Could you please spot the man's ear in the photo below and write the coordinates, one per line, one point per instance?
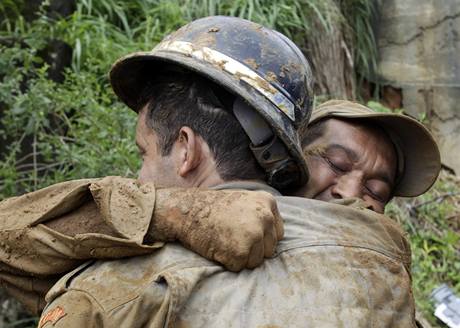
(190, 145)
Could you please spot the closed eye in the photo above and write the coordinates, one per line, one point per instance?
(334, 166)
(140, 149)
(375, 195)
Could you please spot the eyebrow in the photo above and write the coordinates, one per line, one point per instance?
(383, 175)
(350, 153)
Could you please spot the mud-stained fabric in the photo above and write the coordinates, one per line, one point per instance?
(338, 266)
(33, 256)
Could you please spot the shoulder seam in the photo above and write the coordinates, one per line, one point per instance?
(403, 258)
(87, 294)
(74, 275)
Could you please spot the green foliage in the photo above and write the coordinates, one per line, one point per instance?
(378, 107)
(433, 225)
(360, 15)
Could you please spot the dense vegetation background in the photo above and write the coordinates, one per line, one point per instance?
(60, 120)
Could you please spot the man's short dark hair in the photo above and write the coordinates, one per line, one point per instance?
(186, 99)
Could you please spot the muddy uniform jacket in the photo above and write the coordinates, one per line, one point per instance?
(33, 257)
(338, 266)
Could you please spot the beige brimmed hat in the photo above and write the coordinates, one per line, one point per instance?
(419, 160)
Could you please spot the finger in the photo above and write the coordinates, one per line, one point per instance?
(233, 263)
(270, 241)
(256, 255)
(278, 221)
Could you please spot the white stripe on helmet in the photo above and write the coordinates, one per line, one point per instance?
(230, 65)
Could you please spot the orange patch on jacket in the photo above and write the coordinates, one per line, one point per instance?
(52, 316)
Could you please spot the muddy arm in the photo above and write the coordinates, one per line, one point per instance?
(47, 233)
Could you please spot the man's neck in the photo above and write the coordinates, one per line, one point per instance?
(253, 185)
(206, 177)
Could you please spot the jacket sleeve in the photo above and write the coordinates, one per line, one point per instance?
(73, 309)
(106, 294)
(33, 253)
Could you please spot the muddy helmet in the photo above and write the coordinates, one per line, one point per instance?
(265, 71)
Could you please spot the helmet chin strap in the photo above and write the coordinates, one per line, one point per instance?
(271, 154)
(253, 124)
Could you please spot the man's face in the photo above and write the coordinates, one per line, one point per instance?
(155, 167)
(351, 160)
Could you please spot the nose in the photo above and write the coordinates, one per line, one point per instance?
(347, 186)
